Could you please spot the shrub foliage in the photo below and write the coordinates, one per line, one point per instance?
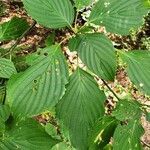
(73, 97)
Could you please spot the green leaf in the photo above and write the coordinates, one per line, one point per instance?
(13, 29)
(20, 62)
(41, 86)
(4, 115)
(86, 29)
(4, 112)
(118, 16)
(108, 147)
(27, 135)
(74, 43)
(99, 136)
(80, 107)
(97, 53)
(127, 110)
(50, 40)
(52, 130)
(127, 137)
(2, 93)
(147, 3)
(138, 68)
(7, 68)
(50, 13)
(79, 4)
(62, 146)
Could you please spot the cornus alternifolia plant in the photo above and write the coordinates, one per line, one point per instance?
(70, 96)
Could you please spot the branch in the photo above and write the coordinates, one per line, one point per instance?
(145, 144)
(110, 89)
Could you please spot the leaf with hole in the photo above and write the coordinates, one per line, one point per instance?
(118, 16)
(127, 110)
(41, 86)
(128, 136)
(138, 68)
(80, 107)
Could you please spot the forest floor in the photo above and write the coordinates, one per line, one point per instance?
(122, 85)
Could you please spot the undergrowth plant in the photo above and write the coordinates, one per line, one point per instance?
(73, 99)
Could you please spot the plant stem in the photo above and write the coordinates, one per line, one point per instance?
(4, 97)
(76, 21)
(19, 39)
(110, 89)
(15, 45)
(145, 144)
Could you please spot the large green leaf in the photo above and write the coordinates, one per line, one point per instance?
(102, 132)
(27, 135)
(138, 68)
(118, 16)
(41, 86)
(127, 110)
(97, 52)
(7, 68)
(80, 107)
(127, 137)
(82, 3)
(13, 29)
(51, 13)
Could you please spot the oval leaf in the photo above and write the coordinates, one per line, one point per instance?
(41, 86)
(118, 16)
(51, 13)
(128, 136)
(127, 110)
(80, 107)
(138, 68)
(97, 53)
(27, 135)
